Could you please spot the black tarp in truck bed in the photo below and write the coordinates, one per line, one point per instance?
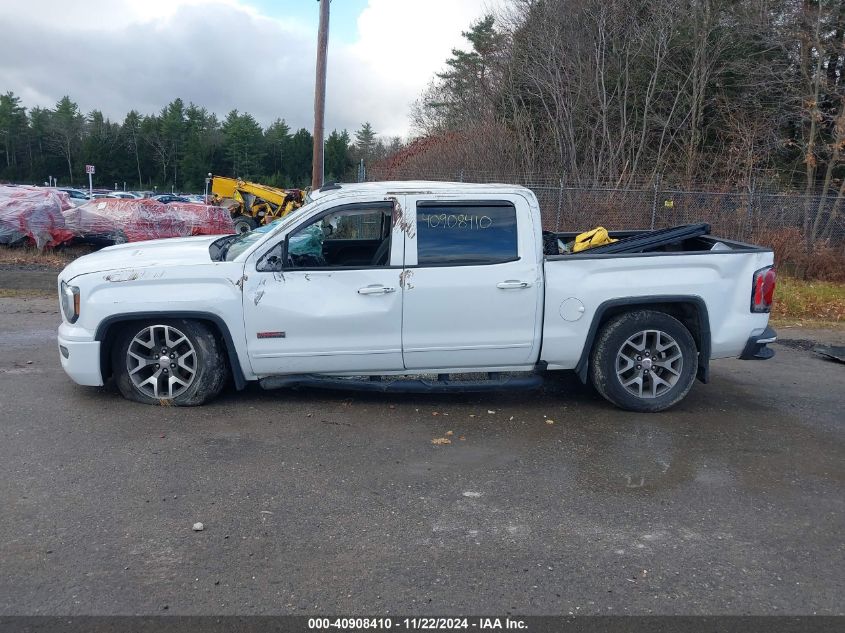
(631, 241)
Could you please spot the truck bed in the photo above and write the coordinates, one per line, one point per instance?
(580, 286)
(697, 244)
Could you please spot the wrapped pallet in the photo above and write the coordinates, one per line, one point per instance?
(204, 219)
(33, 215)
(119, 220)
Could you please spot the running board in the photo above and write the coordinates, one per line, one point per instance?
(386, 384)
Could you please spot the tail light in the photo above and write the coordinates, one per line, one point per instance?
(763, 289)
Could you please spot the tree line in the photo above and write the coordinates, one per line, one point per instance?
(729, 93)
(174, 148)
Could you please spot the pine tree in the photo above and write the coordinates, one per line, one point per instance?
(337, 159)
(201, 141)
(131, 131)
(365, 141)
(243, 143)
(65, 132)
(277, 142)
(297, 162)
(13, 127)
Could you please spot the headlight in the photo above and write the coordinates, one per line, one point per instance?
(69, 296)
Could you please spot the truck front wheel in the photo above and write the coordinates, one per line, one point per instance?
(644, 361)
(176, 362)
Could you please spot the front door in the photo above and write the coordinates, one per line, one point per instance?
(335, 303)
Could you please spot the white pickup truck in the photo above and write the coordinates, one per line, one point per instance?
(413, 286)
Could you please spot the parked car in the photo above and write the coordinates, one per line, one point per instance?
(125, 195)
(167, 198)
(369, 283)
(75, 196)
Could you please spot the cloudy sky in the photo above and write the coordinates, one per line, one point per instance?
(253, 55)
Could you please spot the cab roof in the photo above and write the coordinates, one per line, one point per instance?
(403, 187)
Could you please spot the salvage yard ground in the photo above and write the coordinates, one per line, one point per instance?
(316, 502)
(56, 258)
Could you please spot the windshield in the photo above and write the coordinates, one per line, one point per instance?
(229, 247)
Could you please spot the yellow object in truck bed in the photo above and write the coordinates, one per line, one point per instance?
(596, 237)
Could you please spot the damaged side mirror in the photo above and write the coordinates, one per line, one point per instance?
(273, 260)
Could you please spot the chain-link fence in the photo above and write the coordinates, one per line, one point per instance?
(741, 215)
(735, 215)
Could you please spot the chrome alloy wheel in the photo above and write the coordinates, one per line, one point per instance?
(161, 361)
(649, 364)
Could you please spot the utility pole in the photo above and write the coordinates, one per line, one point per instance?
(320, 96)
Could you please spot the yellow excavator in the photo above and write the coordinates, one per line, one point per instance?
(252, 204)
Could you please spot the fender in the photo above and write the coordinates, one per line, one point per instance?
(703, 338)
(234, 362)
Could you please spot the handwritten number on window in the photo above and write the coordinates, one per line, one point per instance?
(461, 222)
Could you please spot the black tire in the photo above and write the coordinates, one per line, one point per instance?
(606, 362)
(210, 364)
(244, 224)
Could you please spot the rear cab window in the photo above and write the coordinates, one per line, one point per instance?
(466, 233)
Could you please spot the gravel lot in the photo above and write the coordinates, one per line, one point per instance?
(326, 502)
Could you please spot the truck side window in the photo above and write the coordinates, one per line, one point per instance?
(466, 234)
(352, 236)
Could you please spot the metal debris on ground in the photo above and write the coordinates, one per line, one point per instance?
(832, 352)
(440, 441)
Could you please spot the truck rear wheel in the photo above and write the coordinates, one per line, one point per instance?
(176, 362)
(644, 361)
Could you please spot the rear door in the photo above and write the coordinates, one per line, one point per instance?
(472, 284)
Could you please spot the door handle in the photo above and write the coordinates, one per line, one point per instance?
(375, 289)
(512, 283)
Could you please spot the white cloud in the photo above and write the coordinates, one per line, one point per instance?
(401, 44)
(121, 54)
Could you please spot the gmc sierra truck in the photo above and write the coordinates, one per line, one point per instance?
(414, 286)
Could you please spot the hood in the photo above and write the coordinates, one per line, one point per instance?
(182, 251)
